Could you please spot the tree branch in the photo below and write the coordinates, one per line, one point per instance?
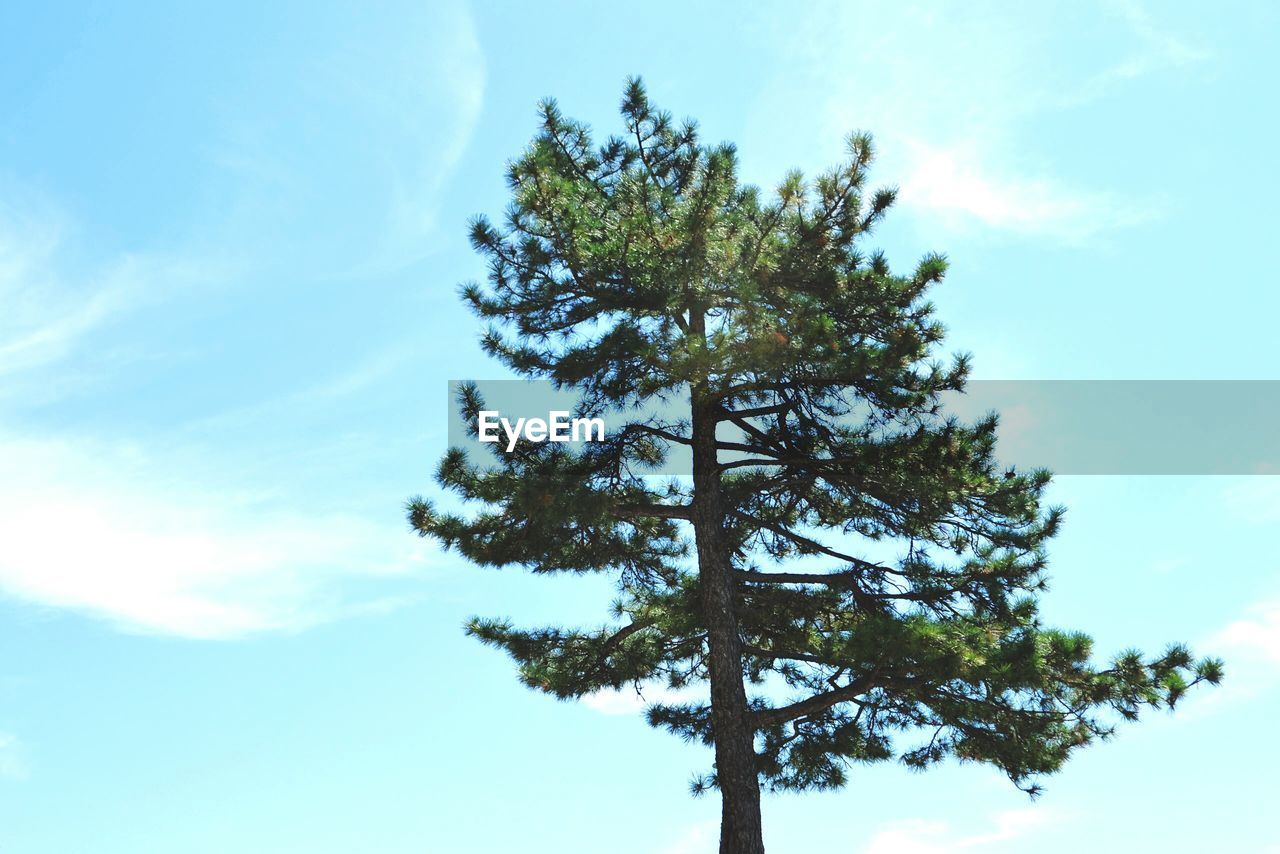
(758, 411)
(832, 579)
(790, 656)
(807, 545)
(815, 704)
(657, 431)
(661, 511)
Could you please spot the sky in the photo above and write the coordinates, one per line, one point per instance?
(230, 240)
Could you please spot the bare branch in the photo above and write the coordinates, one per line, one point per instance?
(815, 704)
(661, 511)
(807, 545)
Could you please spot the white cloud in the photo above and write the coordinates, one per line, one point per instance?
(13, 765)
(939, 837)
(185, 540)
(51, 307)
(1250, 644)
(141, 541)
(366, 373)
(167, 538)
(158, 540)
(41, 317)
(960, 184)
(1011, 830)
(952, 94)
(306, 192)
(702, 838)
(1254, 637)
(1157, 50)
(1250, 647)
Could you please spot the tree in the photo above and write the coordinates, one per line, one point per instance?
(641, 269)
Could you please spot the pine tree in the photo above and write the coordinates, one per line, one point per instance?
(641, 269)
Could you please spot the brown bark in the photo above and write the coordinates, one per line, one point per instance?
(731, 722)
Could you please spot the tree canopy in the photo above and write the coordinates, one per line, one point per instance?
(639, 268)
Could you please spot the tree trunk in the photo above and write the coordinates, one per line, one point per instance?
(740, 826)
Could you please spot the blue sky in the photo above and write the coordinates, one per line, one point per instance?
(229, 240)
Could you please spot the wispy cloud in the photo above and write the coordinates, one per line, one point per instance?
(42, 317)
(1155, 49)
(367, 372)
(52, 308)
(118, 533)
(701, 838)
(1253, 639)
(140, 537)
(1257, 634)
(1010, 830)
(940, 837)
(953, 94)
(960, 184)
(137, 536)
(13, 764)
(1249, 644)
(415, 86)
(333, 166)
